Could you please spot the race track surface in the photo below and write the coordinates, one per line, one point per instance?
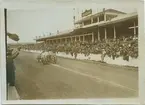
(71, 78)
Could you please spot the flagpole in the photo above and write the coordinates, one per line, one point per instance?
(74, 16)
(5, 16)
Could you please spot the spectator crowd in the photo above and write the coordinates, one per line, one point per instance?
(123, 47)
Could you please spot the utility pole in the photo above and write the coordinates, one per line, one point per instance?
(36, 39)
(74, 16)
(78, 13)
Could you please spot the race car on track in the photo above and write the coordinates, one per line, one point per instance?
(47, 57)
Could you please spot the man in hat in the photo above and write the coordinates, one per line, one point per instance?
(11, 66)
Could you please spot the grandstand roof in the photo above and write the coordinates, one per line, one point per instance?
(118, 19)
(22, 43)
(99, 13)
(64, 33)
(114, 20)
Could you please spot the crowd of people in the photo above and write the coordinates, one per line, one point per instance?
(123, 47)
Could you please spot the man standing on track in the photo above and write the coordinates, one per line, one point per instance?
(103, 55)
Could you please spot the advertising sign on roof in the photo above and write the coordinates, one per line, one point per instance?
(87, 12)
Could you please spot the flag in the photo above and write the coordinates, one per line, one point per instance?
(14, 37)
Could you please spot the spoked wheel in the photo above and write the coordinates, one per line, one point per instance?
(54, 59)
(44, 61)
(48, 59)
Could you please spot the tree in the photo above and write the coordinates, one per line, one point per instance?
(14, 37)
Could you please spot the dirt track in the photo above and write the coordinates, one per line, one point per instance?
(73, 79)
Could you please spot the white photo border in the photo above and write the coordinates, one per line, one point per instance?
(41, 4)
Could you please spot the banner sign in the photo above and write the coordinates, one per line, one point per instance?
(87, 12)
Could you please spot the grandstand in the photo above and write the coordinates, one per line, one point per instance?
(108, 24)
(114, 31)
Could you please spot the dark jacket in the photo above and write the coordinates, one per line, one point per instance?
(11, 67)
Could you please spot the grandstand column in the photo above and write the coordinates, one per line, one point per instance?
(49, 41)
(53, 41)
(105, 33)
(134, 28)
(82, 23)
(104, 16)
(65, 40)
(60, 40)
(92, 20)
(92, 36)
(75, 39)
(44, 44)
(83, 38)
(71, 39)
(98, 18)
(98, 34)
(114, 32)
(79, 38)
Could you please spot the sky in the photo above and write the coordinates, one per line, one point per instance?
(31, 23)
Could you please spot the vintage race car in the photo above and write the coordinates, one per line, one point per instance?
(47, 57)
